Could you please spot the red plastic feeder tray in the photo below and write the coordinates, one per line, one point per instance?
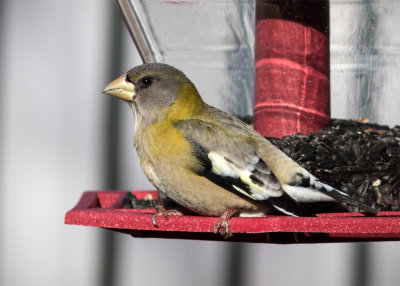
(104, 209)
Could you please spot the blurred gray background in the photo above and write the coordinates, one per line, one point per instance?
(60, 136)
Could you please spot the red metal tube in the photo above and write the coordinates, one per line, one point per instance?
(292, 67)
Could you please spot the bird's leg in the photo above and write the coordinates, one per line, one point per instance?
(161, 211)
(224, 226)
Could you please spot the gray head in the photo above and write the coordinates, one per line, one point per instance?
(149, 89)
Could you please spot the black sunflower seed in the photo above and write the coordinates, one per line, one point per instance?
(377, 148)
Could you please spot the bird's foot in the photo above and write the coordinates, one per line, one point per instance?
(224, 225)
(161, 211)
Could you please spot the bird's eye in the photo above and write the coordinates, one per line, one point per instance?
(146, 81)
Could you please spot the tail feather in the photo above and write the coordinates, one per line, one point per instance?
(343, 197)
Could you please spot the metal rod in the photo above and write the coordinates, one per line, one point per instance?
(136, 31)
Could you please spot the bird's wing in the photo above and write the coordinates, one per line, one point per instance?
(229, 159)
(307, 188)
(297, 182)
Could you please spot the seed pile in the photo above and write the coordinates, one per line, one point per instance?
(132, 202)
(362, 159)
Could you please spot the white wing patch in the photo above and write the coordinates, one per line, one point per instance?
(221, 166)
(242, 191)
(306, 194)
(285, 211)
(225, 168)
(312, 193)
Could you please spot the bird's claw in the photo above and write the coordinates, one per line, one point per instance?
(154, 220)
(224, 228)
(161, 211)
(224, 225)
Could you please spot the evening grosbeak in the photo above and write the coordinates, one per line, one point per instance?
(207, 160)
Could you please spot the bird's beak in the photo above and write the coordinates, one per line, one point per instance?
(121, 88)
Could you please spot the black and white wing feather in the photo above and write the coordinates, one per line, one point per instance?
(234, 156)
(306, 188)
(235, 165)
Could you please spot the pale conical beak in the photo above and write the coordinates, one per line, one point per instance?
(121, 88)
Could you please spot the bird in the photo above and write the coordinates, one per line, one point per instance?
(207, 160)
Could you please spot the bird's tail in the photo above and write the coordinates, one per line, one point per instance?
(343, 197)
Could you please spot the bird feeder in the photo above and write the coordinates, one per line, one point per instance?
(104, 209)
(289, 76)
